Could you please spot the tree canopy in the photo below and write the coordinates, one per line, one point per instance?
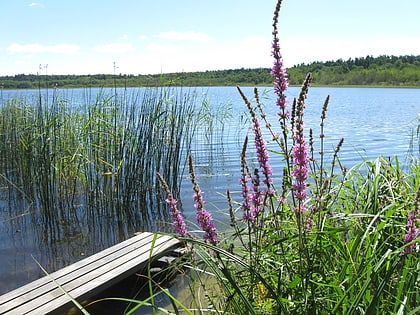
(375, 71)
(364, 71)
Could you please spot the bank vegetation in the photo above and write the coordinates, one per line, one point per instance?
(401, 71)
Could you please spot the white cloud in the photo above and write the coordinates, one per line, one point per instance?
(154, 57)
(250, 52)
(164, 49)
(34, 4)
(66, 49)
(189, 35)
(114, 48)
(255, 48)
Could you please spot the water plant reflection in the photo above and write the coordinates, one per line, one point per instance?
(83, 177)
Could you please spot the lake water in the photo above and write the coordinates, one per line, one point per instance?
(372, 121)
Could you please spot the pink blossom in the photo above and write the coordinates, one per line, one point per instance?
(178, 219)
(412, 231)
(204, 218)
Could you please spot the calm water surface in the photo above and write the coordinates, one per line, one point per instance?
(372, 121)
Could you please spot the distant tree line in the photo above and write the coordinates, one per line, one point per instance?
(371, 71)
(242, 76)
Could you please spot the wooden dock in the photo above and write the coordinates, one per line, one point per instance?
(87, 277)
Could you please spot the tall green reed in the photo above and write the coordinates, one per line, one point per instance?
(98, 158)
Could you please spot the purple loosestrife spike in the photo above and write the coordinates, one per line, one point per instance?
(178, 219)
(300, 152)
(300, 168)
(245, 177)
(204, 218)
(278, 71)
(262, 153)
(260, 144)
(309, 223)
(257, 196)
(412, 230)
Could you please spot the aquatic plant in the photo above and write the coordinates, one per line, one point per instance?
(204, 218)
(326, 240)
(178, 219)
(96, 160)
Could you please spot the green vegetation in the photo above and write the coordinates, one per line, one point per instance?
(379, 71)
(401, 71)
(344, 242)
(322, 239)
(62, 161)
(207, 78)
(346, 254)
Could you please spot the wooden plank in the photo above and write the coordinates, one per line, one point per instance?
(44, 285)
(81, 283)
(86, 277)
(105, 276)
(40, 284)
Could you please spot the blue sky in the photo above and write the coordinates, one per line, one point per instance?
(160, 36)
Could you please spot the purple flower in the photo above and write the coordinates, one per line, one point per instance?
(300, 171)
(309, 223)
(412, 231)
(260, 143)
(254, 200)
(262, 153)
(204, 218)
(280, 76)
(257, 197)
(282, 200)
(178, 219)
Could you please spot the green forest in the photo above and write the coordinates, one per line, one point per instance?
(401, 71)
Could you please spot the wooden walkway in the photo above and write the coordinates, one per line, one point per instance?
(87, 277)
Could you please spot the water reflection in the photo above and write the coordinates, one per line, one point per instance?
(79, 178)
(58, 238)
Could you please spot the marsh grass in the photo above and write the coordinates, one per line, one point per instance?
(97, 158)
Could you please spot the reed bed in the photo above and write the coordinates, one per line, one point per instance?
(101, 157)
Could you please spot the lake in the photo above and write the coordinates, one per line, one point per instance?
(372, 121)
